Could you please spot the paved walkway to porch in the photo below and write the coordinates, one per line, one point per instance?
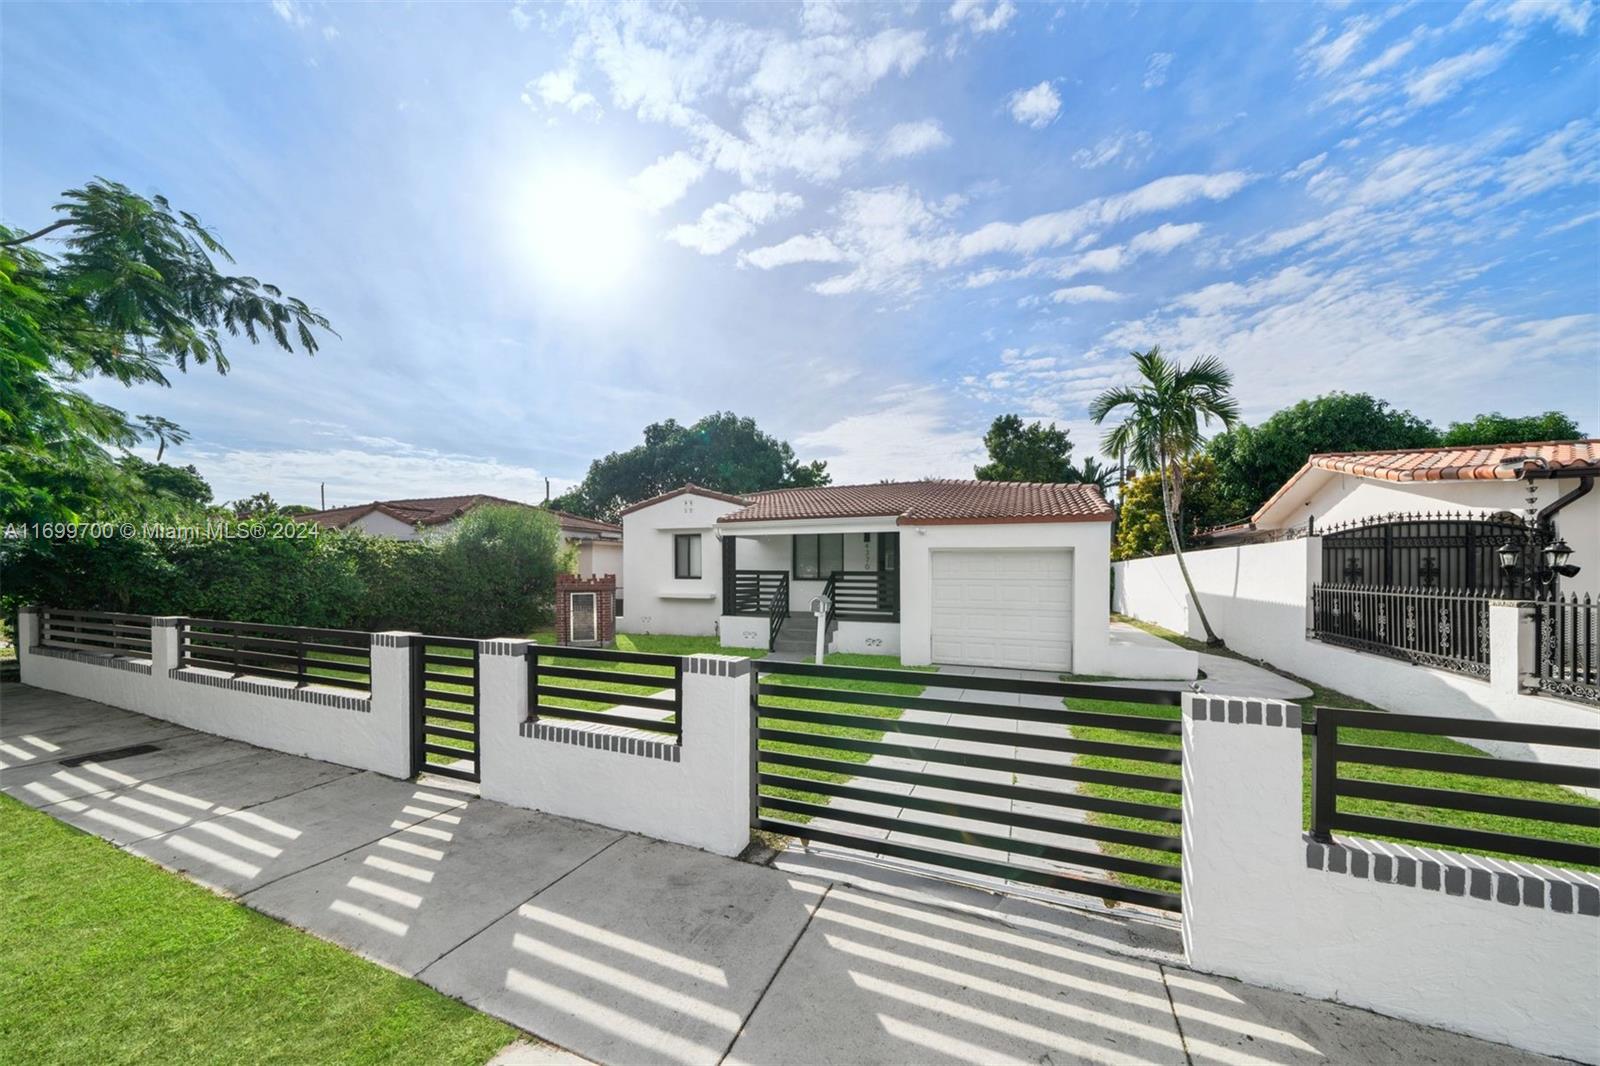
(623, 949)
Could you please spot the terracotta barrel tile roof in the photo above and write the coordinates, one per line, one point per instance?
(931, 502)
(435, 510)
(1501, 461)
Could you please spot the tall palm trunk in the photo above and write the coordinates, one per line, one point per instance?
(1170, 501)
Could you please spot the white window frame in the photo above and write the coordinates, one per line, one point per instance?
(572, 616)
(695, 562)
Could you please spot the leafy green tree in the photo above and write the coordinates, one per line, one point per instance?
(256, 506)
(1253, 462)
(1142, 522)
(1496, 428)
(501, 563)
(1163, 416)
(1026, 452)
(182, 485)
(133, 294)
(721, 451)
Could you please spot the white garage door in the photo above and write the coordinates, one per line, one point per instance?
(1003, 608)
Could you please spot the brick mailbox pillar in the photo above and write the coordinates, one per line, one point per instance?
(586, 610)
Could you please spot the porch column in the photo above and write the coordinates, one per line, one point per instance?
(729, 564)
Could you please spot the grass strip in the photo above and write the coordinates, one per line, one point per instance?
(108, 959)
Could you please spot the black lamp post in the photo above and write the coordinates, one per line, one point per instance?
(1545, 564)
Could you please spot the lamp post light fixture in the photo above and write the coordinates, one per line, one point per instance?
(1545, 565)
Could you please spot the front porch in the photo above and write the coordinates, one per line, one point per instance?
(776, 577)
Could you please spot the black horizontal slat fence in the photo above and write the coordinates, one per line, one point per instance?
(307, 656)
(596, 685)
(833, 763)
(1415, 815)
(111, 632)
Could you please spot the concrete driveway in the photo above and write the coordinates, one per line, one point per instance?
(628, 950)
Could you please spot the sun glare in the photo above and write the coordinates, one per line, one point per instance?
(582, 230)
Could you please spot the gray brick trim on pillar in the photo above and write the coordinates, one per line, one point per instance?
(1425, 870)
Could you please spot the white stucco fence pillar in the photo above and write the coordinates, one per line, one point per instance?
(1507, 951)
(691, 791)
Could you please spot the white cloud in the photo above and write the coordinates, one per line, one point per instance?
(813, 248)
(723, 225)
(824, 16)
(1565, 15)
(364, 470)
(1060, 227)
(1444, 78)
(1131, 148)
(559, 88)
(1325, 56)
(1079, 294)
(971, 13)
(913, 435)
(1156, 68)
(291, 12)
(753, 102)
(1306, 166)
(665, 181)
(1036, 107)
(892, 237)
(913, 138)
(1352, 326)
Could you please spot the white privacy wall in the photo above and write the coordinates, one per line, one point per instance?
(696, 792)
(1256, 597)
(333, 724)
(693, 791)
(1502, 950)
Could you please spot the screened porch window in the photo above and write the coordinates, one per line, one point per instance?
(816, 555)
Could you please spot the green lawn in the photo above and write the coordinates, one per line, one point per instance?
(1325, 697)
(105, 958)
(880, 662)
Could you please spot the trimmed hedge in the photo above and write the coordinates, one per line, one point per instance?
(493, 574)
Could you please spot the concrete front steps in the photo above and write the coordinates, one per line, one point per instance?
(798, 635)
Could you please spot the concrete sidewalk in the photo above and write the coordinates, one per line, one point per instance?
(627, 950)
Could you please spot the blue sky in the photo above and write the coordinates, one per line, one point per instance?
(873, 228)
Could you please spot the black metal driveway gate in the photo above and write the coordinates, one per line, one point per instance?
(1079, 791)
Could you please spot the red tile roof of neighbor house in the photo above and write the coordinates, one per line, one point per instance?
(436, 510)
(931, 502)
(1503, 462)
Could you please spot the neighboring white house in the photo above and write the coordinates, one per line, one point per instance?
(1337, 491)
(599, 544)
(981, 573)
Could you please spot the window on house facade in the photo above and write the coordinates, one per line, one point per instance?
(816, 555)
(686, 555)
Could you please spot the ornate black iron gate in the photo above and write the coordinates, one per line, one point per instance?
(1448, 553)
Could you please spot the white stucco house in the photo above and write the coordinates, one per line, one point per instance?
(1463, 490)
(1000, 574)
(598, 544)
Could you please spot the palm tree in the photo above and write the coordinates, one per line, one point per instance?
(1162, 426)
(1093, 473)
